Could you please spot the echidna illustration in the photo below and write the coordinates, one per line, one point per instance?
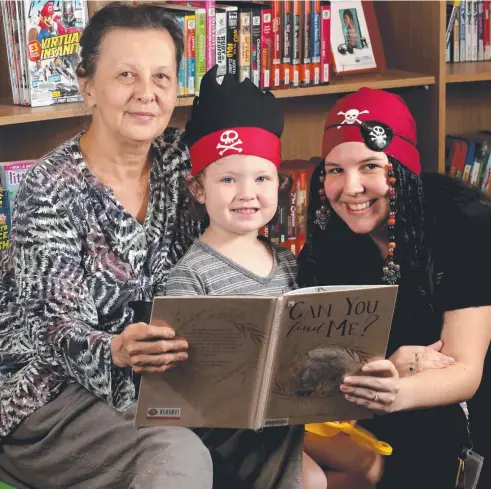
(319, 372)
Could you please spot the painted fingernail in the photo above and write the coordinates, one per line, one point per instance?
(344, 388)
(348, 398)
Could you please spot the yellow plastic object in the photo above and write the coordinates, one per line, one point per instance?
(358, 434)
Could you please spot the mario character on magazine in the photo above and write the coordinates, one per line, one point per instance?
(53, 54)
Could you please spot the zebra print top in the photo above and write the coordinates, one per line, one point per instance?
(76, 259)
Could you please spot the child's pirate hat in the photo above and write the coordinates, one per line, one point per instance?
(233, 118)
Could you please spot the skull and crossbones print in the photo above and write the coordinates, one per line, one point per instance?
(229, 141)
(378, 134)
(351, 116)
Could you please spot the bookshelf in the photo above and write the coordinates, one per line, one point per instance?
(440, 95)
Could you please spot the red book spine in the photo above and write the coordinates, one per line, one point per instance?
(266, 48)
(325, 43)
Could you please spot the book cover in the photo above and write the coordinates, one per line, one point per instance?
(50, 36)
(262, 361)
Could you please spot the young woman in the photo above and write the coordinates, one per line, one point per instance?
(374, 219)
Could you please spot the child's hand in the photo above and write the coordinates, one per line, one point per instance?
(376, 388)
(147, 348)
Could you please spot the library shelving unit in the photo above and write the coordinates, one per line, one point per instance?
(443, 97)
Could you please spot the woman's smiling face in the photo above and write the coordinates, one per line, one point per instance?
(356, 186)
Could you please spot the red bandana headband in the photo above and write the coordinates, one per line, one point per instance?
(234, 141)
(370, 106)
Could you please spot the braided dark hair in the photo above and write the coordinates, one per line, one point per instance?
(410, 226)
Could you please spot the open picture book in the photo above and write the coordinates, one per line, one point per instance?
(266, 361)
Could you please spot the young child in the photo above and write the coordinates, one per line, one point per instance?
(234, 139)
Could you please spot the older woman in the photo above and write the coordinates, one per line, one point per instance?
(98, 223)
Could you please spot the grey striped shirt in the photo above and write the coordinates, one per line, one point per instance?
(205, 271)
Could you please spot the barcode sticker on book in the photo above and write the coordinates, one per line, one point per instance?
(272, 423)
(164, 413)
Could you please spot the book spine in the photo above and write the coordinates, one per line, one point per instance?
(244, 45)
(487, 31)
(276, 60)
(200, 48)
(210, 34)
(286, 43)
(190, 52)
(315, 38)
(456, 38)
(480, 31)
(325, 43)
(463, 29)
(221, 43)
(10, 55)
(256, 46)
(296, 42)
(232, 41)
(468, 33)
(4, 221)
(266, 48)
(305, 73)
(269, 363)
(475, 21)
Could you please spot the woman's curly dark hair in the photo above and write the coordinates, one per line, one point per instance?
(410, 217)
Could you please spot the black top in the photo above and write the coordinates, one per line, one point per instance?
(455, 275)
(458, 235)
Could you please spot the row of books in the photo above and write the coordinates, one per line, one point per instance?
(288, 228)
(277, 44)
(285, 43)
(42, 41)
(11, 174)
(468, 158)
(468, 33)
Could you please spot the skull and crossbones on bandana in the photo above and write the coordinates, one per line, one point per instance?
(229, 141)
(351, 116)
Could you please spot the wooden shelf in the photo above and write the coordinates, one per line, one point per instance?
(468, 72)
(350, 83)
(15, 114)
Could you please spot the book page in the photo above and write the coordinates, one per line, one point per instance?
(218, 386)
(324, 336)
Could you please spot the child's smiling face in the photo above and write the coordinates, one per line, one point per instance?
(240, 193)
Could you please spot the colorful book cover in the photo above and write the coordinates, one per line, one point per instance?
(52, 32)
(11, 174)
